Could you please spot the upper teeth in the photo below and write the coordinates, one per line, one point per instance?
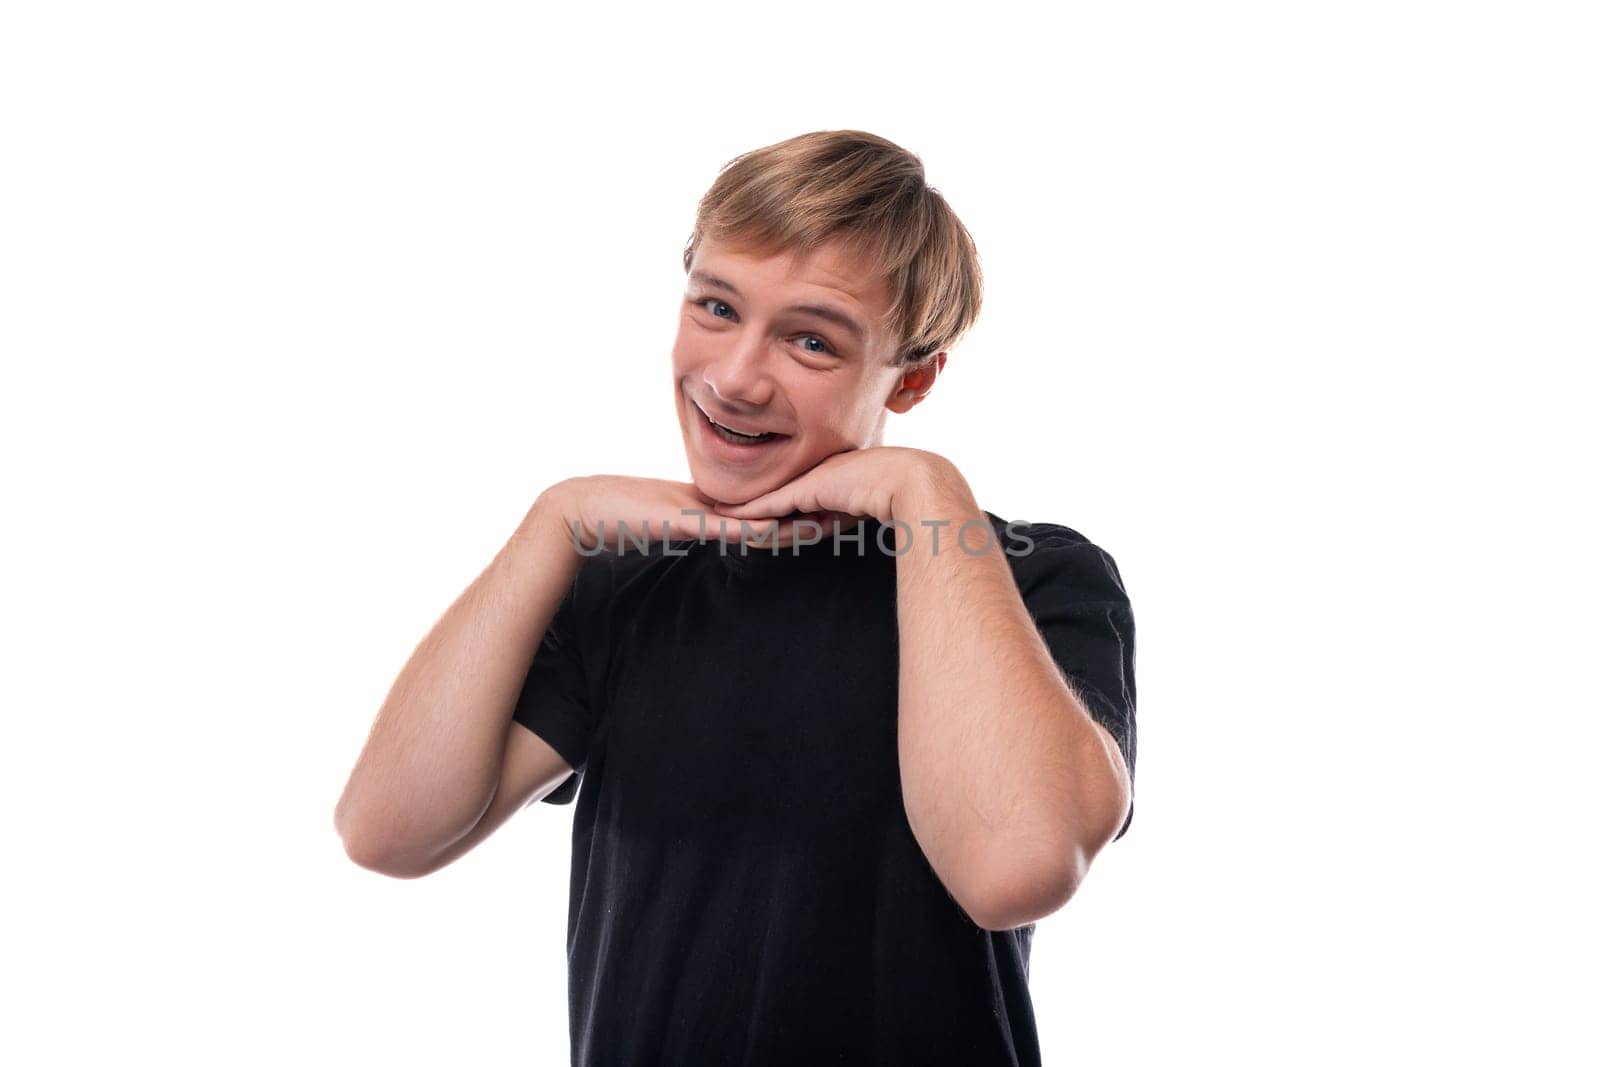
(730, 429)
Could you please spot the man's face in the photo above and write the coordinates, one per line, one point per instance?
(766, 345)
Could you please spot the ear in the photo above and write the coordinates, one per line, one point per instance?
(914, 385)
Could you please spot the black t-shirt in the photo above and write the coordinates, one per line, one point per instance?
(745, 887)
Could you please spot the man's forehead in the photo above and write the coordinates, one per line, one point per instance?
(832, 267)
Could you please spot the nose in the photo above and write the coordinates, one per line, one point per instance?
(739, 377)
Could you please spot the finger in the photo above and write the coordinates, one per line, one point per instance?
(738, 528)
(774, 503)
(762, 506)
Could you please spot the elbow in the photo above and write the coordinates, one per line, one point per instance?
(1026, 895)
(363, 853)
(1022, 885)
(375, 853)
(1016, 894)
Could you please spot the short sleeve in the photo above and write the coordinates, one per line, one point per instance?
(1074, 592)
(554, 702)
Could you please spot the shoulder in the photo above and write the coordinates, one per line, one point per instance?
(1049, 553)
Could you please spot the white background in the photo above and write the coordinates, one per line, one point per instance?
(1289, 307)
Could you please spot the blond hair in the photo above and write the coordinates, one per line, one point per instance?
(801, 193)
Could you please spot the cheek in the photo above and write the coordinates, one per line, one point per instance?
(682, 341)
(688, 354)
(826, 409)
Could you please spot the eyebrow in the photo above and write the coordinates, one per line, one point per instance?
(821, 311)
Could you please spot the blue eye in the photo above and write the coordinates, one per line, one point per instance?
(714, 302)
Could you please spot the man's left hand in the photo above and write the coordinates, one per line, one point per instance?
(859, 483)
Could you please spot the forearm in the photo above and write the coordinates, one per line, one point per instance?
(431, 762)
(1006, 778)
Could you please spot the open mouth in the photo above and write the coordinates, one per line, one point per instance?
(734, 436)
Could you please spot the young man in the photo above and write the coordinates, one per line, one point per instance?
(828, 782)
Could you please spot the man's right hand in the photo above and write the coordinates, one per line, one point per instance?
(591, 508)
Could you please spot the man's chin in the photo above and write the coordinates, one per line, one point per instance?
(723, 496)
(728, 492)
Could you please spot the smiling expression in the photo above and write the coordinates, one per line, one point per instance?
(795, 347)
